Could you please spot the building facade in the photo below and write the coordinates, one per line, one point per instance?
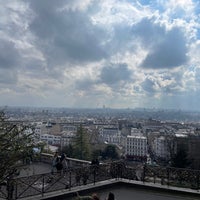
(136, 148)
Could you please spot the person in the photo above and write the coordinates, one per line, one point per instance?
(94, 196)
(62, 157)
(63, 161)
(111, 196)
(59, 166)
(59, 163)
(95, 165)
(55, 161)
(97, 162)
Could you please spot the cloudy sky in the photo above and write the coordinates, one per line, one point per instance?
(90, 53)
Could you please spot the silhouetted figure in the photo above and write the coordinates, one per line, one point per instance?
(63, 160)
(10, 188)
(93, 162)
(111, 196)
(97, 162)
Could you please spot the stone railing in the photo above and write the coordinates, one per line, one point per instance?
(47, 158)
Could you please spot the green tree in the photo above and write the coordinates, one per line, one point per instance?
(68, 150)
(110, 151)
(96, 153)
(81, 146)
(180, 160)
(15, 145)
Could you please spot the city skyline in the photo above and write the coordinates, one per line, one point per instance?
(90, 54)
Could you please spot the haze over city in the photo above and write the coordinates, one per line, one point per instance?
(86, 54)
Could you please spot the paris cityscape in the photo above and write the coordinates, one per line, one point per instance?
(141, 135)
(99, 99)
(140, 140)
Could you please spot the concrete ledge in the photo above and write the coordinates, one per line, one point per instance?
(162, 188)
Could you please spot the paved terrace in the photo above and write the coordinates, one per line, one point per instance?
(36, 182)
(34, 169)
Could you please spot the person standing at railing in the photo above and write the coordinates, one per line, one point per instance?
(55, 161)
(95, 167)
(63, 160)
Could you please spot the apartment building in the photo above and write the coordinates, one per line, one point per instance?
(161, 148)
(50, 139)
(110, 135)
(67, 138)
(136, 148)
(136, 132)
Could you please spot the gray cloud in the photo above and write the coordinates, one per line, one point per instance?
(165, 83)
(197, 75)
(85, 84)
(148, 86)
(122, 40)
(168, 54)
(148, 32)
(167, 49)
(175, 86)
(8, 77)
(113, 74)
(9, 56)
(9, 62)
(65, 35)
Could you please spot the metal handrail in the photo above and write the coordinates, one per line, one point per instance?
(91, 174)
